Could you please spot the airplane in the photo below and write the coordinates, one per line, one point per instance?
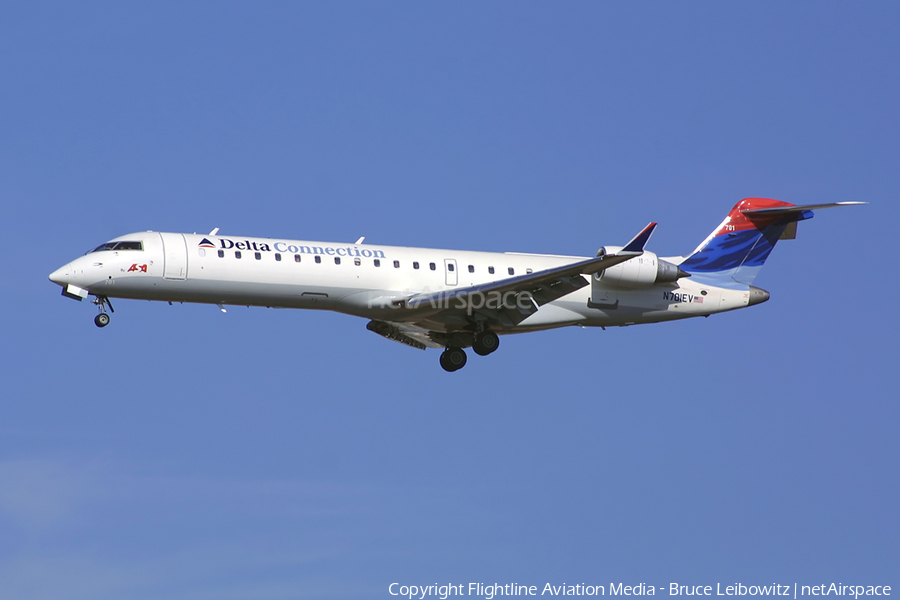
(444, 299)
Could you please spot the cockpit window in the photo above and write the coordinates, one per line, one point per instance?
(130, 246)
(119, 246)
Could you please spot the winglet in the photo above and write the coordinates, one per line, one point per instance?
(637, 244)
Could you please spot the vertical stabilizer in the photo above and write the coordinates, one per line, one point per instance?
(735, 251)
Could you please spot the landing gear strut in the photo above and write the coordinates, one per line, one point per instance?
(102, 302)
(486, 342)
(453, 359)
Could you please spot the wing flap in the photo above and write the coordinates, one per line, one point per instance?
(404, 333)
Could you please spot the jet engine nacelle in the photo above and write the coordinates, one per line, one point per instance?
(644, 270)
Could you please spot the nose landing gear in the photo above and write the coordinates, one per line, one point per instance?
(102, 302)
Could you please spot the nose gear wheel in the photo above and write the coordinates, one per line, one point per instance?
(102, 319)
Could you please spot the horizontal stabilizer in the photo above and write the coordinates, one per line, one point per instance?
(785, 210)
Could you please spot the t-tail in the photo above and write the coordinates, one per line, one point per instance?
(736, 250)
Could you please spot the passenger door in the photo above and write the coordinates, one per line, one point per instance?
(174, 256)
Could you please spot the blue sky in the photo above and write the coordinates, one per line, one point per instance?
(185, 454)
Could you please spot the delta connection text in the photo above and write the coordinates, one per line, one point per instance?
(227, 244)
(489, 591)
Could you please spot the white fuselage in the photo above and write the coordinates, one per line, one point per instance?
(363, 279)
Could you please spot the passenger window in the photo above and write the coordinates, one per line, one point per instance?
(432, 266)
(491, 270)
(471, 268)
(529, 271)
(377, 262)
(237, 253)
(451, 267)
(221, 254)
(357, 262)
(396, 264)
(511, 271)
(278, 257)
(258, 255)
(296, 258)
(337, 260)
(415, 265)
(318, 259)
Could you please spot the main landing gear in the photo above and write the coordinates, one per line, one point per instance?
(454, 359)
(486, 342)
(102, 302)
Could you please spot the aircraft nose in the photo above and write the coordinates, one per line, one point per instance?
(61, 275)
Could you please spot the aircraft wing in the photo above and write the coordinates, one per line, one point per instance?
(510, 301)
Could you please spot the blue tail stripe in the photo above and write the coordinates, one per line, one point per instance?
(750, 247)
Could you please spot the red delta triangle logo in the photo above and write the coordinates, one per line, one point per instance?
(205, 243)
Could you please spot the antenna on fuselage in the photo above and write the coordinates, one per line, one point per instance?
(214, 231)
(359, 241)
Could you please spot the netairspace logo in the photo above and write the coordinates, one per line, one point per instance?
(489, 591)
